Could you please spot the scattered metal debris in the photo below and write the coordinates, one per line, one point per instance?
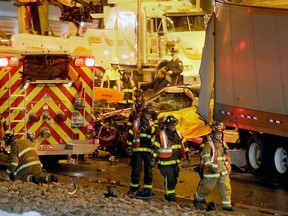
(73, 180)
(110, 192)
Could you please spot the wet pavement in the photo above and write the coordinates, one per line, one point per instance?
(247, 191)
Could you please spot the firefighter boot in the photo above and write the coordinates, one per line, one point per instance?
(47, 179)
(171, 197)
(145, 195)
(226, 208)
(211, 206)
(36, 180)
(54, 178)
(198, 205)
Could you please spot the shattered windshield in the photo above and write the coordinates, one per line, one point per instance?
(185, 23)
(170, 102)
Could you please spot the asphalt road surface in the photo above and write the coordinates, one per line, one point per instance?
(247, 191)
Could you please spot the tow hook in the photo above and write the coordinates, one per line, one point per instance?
(73, 180)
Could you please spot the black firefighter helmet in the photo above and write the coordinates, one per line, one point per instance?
(9, 138)
(171, 120)
(147, 110)
(138, 92)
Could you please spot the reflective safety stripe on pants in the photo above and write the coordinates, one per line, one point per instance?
(170, 174)
(136, 162)
(207, 184)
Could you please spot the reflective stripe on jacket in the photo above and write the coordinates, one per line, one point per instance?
(128, 88)
(136, 134)
(166, 140)
(165, 151)
(214, 155)
(22, 155)
(141, 141)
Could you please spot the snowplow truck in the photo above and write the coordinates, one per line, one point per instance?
(47, 97)
(248, 79)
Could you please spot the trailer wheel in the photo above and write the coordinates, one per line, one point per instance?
(257, 157)
(281, 159)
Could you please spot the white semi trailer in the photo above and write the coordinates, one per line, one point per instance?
(245, 69)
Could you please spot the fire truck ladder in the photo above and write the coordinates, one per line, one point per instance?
(21, 107)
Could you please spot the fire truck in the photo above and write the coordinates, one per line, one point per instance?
(139, 33)
(47, 97)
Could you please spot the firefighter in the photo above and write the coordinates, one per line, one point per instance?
(216, 161)
(170, 147)
(128, 87)
(139, 142)
(111, 77)
(138, 105)
(175, 67)
(24, 163)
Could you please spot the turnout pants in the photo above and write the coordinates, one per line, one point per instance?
(207, 184)
(33, 174)
(136, 162)
(170, 174)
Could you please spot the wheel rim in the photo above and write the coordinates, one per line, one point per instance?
(281, 160)
(255, 155)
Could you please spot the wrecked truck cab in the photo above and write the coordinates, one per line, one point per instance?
(181, 101)
(173, 98)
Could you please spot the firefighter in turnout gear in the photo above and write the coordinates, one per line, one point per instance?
(137, 107)
(139, 142)
(128, 87)
(170, 148)
(215, 160)
(24, 163)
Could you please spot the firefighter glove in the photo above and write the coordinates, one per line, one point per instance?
(211, 170)
(129, 150)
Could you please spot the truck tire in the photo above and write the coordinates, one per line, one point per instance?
(281, 160)
(257, 156)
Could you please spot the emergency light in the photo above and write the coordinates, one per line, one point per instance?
(88, 62)
(3, 62)
(13, 61)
